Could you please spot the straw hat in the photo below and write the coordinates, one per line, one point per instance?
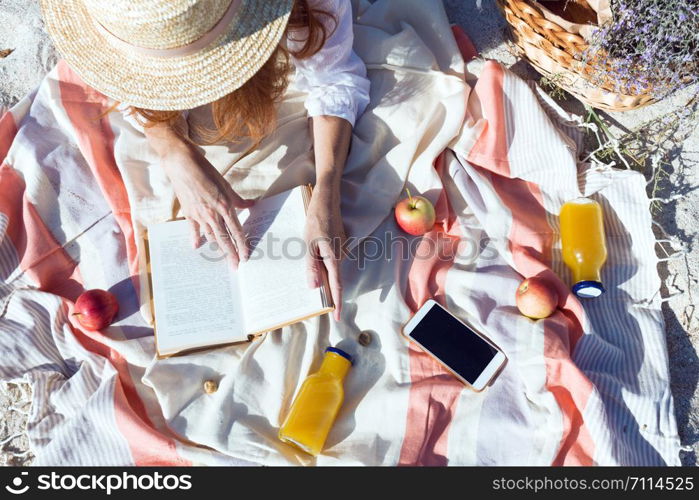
(166, 54)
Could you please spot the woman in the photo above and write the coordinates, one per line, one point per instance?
(163, 57)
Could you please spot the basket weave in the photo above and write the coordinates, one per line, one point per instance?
(557, 54)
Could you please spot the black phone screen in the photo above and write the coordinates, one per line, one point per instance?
(456, 345)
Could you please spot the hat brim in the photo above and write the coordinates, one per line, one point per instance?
(168, 83)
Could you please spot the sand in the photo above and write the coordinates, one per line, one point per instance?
(21, 29)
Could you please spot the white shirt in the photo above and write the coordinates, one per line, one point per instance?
(335, 77)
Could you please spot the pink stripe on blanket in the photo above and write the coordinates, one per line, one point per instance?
(434, 392)
(530, 242)
(86, 109)
(41, 258)
(491, 147)
(8, 131)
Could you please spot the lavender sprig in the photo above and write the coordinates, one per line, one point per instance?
(649, 46)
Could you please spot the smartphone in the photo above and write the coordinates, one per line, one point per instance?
(471, 357)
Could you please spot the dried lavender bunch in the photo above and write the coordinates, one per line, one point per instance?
(650, 45)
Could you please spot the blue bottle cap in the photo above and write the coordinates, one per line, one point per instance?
(341, 353)
(588, 289)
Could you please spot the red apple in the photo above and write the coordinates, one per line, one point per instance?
(536, 298)
(95, 309)
(415, 215)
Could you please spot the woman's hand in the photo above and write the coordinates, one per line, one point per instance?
(207, 200)
(325, 238)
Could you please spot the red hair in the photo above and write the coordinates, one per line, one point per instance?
(250, 111)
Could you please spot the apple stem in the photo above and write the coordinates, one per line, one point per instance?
(76, 314)
(410, 198)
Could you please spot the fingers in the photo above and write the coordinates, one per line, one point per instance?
(196, 235)
(209, 232)
(231, 220)
(223, 238)
(215, 232)
(331, 261)
(236, 232)
(313, 266)
(221, 225)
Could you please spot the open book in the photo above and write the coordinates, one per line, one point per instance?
(199, 300)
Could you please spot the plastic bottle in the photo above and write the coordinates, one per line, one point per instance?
(315, 407)
(583, 245)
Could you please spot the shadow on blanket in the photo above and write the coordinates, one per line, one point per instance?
(618, 339)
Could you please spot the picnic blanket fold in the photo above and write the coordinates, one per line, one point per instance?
(78, 187)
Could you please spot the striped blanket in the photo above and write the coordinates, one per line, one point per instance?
(589, 385)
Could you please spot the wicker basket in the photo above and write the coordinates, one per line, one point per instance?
(556, 54)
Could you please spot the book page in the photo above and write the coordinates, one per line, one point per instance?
(273, 282)
(195, 291)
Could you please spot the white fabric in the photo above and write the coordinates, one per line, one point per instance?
(335, 77)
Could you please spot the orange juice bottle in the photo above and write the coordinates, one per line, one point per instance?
(584, 248)
(316, 405)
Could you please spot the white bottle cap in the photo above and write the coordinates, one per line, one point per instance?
(588, 289)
